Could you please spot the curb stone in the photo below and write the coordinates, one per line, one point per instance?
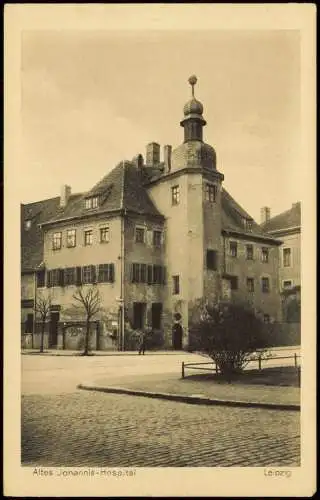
(200, 400)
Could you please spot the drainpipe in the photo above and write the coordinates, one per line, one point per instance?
(122, 283)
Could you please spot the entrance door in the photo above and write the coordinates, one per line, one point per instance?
(177, 336)
(139, 310)
(53, 334)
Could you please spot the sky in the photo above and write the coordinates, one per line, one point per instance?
(90, 99)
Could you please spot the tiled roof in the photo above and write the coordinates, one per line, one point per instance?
(233, 216)
(32, 238)
(121, 188)
(288, 219)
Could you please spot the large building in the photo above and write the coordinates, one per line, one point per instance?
(155, 236)
(287, 228)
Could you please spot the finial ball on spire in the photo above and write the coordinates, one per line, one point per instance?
(193, 80)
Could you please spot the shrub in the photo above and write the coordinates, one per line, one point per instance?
(229, 334)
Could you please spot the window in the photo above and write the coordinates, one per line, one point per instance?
(27, 225)
(157, 275)
(69, 276)
(266, 318)
(55, 277)
(106, 273)
(139, 235)
(286, 257)
(249, 249)
(29, 323)
(265, 285)
(250, 285)
(88, 274)
(265, 254)
(71, 238)
(41, 278)
(212, 260)
(248, 224)
(157, 238)
(143, 273)
(233, 246)
(234, 282)
(210, 192)
(104, 235)
(56, 241)
(88, 237)
(139, 313)
(175, 194)
(176, 285)
(286, 285)
(135, 273)
(91, 202)
(156, 313)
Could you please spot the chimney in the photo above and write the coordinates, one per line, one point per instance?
(65, 195)
(167, 158)
(153, 154)
(296, 205)
(265, 214)
(138, 161)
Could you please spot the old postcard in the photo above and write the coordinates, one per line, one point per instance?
(159, 250)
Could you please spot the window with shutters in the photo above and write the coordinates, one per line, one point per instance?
(157, 275)
(106, 273)
(55, 277)
(69, 276)
(78, 276)
(88, 274)
(212, 260)
(41, 278)
(250, 285)
(57, 241)
(149, 275)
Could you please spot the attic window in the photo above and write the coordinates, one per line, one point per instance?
(91, 202)
(27, 225)
(248, 224)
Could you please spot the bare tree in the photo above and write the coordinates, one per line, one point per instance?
(88, 301)
(42, 307)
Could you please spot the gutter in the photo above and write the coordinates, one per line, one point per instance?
(251, 236)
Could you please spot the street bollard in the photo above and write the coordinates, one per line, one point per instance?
(259, 361)
(182, 369)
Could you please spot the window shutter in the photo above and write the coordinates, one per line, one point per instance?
(164, 272)
(131, 273)
(49, 279)
(150, 275)
(61, 277)
(93, 274)
(111, 272)
(78, 276)
(143, 273)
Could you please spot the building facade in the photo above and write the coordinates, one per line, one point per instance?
(154, 236)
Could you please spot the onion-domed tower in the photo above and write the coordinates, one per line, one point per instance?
(193, 121)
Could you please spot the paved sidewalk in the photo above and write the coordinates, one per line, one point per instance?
(170, 386)
(62, 352)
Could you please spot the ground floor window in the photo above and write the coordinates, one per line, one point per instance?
(156, 314)
(29, 323)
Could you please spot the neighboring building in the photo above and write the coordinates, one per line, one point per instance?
(155, 236)
(287, 228)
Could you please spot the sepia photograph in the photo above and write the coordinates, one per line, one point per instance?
(162, 197)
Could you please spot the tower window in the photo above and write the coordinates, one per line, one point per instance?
(250, 285)
(212, 260)
(210, 192)
(139, 235)
(176, 285)
(286, 257)
(175, 192)
(265, 286)
(233, 247)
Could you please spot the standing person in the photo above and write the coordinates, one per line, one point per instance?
(142, 342)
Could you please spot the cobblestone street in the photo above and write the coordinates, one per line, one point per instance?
(96, 429)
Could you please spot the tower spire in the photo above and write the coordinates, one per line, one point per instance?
(192, 80)
(193, 121)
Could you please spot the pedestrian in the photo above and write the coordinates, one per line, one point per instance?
(142, 342)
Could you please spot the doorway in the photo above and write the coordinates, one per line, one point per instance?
(53, 332)
(139, 312)
(177, 332)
